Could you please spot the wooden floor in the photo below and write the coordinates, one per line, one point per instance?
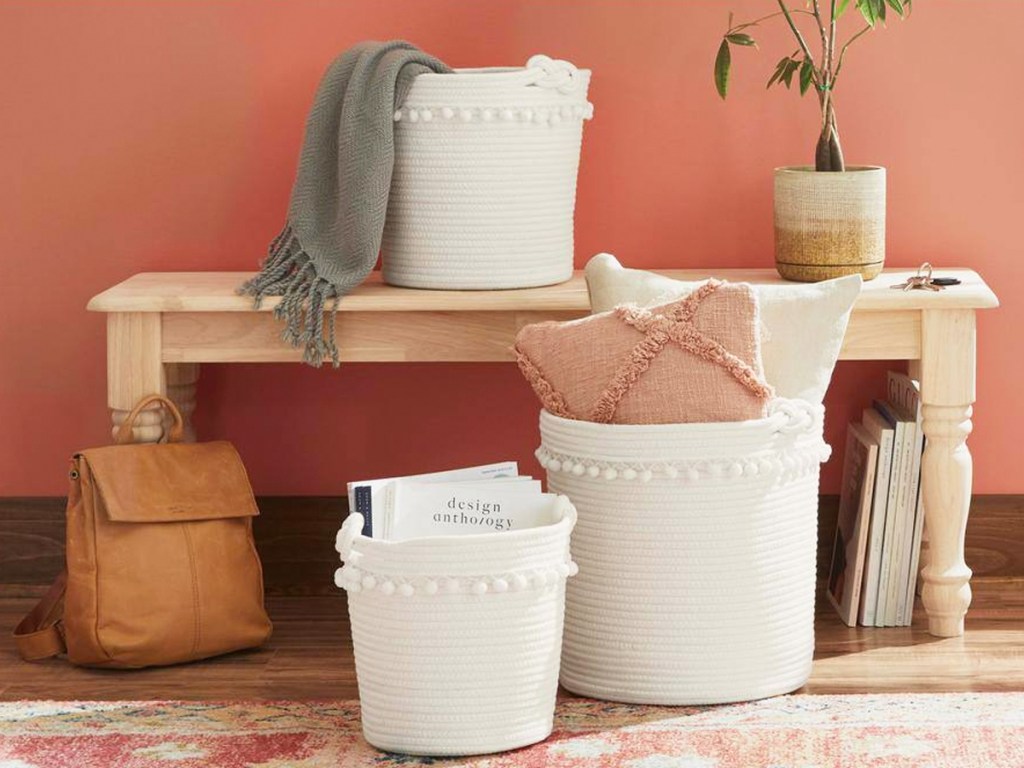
(310, 657)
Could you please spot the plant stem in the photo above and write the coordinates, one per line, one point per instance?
(829, 153)
(842, 53)
(832, 34)
(825, 69)
(827, 43)
(824, 36)
(796, 32)
(755, 22)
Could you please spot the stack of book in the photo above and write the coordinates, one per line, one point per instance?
(875, 557)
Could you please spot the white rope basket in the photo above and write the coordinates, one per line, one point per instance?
(457, 638)
(696, 546)
(484, 184)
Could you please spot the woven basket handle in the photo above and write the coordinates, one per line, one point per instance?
(557, 74)
(352, 527)
(177, 432)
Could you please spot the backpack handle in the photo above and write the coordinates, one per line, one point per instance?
(177, 433)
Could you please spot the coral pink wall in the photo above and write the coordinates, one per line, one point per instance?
(163, 135)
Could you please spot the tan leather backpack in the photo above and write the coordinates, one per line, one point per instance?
(161, 563)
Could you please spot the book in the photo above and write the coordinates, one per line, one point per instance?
(459, 508)
(892, 543)
(884, 435)
(905, 394)
(375, 498)
(855, 506)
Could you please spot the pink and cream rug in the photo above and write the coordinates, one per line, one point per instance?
(883, 731)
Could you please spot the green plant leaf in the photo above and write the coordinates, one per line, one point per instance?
(841, 7)
(723, 61)
(806, 75)
(787, 76)
(779, 69)
(873, 11)
(741, 38)
(896, 5)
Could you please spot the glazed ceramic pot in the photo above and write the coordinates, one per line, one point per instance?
(829, 224)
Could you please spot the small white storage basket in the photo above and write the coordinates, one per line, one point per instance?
(484, 183)
(696, 546)
(457, 638)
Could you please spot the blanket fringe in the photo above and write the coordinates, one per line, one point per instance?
(289, 273)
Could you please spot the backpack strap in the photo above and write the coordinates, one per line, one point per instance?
(39, 635)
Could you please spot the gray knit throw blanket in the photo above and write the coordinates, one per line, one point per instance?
(332, 238)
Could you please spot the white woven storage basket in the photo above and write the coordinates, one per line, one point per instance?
(696, 546)
(457, 638)
(484, 183)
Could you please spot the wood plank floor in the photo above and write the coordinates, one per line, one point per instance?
(310, 657)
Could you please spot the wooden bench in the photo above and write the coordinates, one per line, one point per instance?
(162, 326)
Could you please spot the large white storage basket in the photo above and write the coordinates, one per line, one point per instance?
(696, 548)
(457, 638)
(484, 183)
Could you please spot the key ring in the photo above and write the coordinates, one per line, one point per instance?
(922, 281)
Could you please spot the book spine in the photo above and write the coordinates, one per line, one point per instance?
(857, 591)
(363, 504)
(872, 570)
(904, 513)
(885, 615)
(904, 397)
(915, 528)
(915, 560)
(912, 508)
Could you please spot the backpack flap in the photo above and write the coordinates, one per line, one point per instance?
(174, 482)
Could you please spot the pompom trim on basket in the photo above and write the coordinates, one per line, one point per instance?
(536, 115)
(788, 417)
(353, 579)
(786, 465)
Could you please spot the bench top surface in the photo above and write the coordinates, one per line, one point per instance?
(215, 292)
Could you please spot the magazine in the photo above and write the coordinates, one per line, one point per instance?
(855, 504)
(492, 498)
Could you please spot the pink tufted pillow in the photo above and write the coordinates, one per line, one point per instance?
(692, 360)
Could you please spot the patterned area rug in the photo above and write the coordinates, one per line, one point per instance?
(947, 730)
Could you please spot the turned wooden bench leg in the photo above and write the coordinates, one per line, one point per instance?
(947, 395)
(181, 381)
(134, 370)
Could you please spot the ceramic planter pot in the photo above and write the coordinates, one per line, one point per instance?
(829, 224)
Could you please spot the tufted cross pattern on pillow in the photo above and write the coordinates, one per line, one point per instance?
(696, 359)
(802, 324)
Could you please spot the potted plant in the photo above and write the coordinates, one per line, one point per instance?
(829, 217)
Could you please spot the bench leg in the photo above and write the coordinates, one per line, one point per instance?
(181, 388)
(134, 370)
(947, 394)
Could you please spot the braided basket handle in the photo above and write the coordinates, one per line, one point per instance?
(177, 432)
(792, 415)
(557, 74)
(352, 527)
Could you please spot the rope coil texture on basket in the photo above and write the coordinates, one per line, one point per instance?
(691, 592)
(483, 193)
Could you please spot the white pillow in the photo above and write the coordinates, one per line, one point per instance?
(802, 324)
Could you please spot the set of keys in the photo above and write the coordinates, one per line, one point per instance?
(923, 281)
